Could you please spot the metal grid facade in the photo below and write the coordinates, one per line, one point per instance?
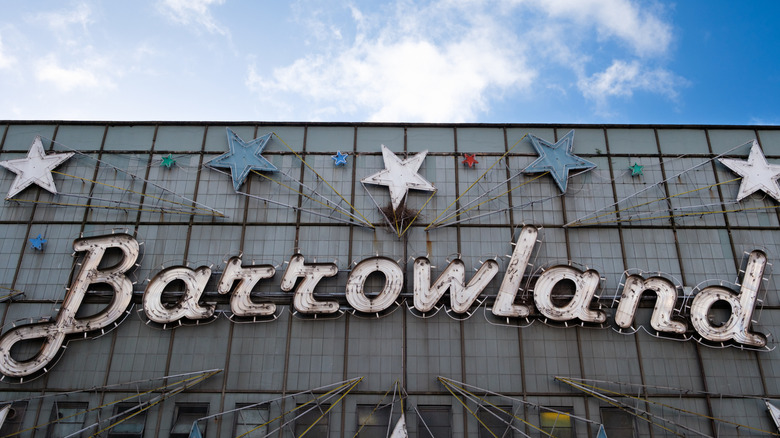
(262, 361)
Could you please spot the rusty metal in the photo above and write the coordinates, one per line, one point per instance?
(667, 294)
(241, 303)
(312, 273)
(586, 284)
(66, 324)
(737, 328)
(515, 271)
(188, 306)
(453, 278)
(394, 283)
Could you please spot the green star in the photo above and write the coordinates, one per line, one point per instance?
(168, 161)
(636, 169)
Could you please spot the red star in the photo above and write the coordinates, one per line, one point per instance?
(470, 160)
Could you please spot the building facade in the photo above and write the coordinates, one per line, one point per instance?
(321, 279)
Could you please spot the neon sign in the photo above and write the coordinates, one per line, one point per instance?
(301, 278)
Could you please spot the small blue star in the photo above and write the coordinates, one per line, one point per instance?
(339, 159)
(243, 157)
(557, 159)
(37, 243)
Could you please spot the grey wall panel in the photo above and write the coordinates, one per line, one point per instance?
(11, 245)
(179, 138)
(537, 204)
(173, 189)
(435, 140)
(549, 352)
(589, 191)
(770, 366)
(376, 349)
(652, 250)
(129, 138)
(609, 356)
(480, 141)
(706, 255)
(216, 136)
(725, 140)
(434, 349)
(18, 138)
(189, 352)
(682, 141)
(631, 141)
(370, 139)
(330, 139)
(669, 365)
(492, 356)
(44, 275)
(316, 353)
(127, 364)
(257, 355)
(599, 250)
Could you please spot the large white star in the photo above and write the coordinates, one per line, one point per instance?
(757, 174)
(400, 175)
(34, 169)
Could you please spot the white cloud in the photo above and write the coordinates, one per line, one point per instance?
(62, 23)
(193, 12)
(644, 32)
(407, 70)
(62, 20)
(450, 60)
(91, 74)
(6, 60)
(621, 79)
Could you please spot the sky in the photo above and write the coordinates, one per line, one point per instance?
(460, 61)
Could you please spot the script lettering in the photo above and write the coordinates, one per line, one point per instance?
(737, 327)
(453, 277)
(312, 273)
(510, 286)
(394, 282)
(241, 303)
(53, 334)
(666, 293)
(585, 285)
(188, 306)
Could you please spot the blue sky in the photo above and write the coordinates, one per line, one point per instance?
(548, 61)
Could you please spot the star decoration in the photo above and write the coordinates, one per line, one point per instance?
(168, 161)
(557, 159)
(34, 169)
(339, 159)
(470, 160)
(636, 169)
(400, 175)
(757, 174)
(243, 157)
(37, 243)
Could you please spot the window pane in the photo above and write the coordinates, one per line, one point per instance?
(617, 423)
(71, 416)
(250, 419)
(374, 423)
(558, 424)
(13, 420)
(320, 428)
(184, 416)
(129, 428)
(437, 420)
(496, 421)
